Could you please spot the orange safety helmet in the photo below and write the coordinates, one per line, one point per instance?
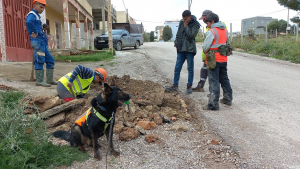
(40, 1)
(102, 73)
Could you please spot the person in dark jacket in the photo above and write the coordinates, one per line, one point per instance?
(186, 49)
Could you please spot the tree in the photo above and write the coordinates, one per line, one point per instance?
(292, 4)
(279, 25)
(251, 34)
(152, 36)
(146, 37)
(167, 33)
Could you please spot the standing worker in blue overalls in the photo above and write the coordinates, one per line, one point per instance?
(39, 44)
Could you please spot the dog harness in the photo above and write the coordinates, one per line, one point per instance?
(83, 118)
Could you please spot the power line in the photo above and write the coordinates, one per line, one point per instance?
(259, 15)
(124, 5)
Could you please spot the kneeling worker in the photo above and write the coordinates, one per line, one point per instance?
(79, 82)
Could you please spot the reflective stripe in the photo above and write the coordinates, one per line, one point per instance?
(217, 35)
(226, 33)
(217, 45)
(40, 53)
(79, 84)
(203, 79)
(31, 12)
(99, 115)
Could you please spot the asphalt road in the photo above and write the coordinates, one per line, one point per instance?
(262, 125)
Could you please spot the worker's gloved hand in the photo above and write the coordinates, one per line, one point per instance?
(69, 84)
(33, 35)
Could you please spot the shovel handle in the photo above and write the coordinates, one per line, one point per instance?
(72, 92)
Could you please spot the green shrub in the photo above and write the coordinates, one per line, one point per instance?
(24, 141)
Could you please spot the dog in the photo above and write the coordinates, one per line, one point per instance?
(90, 125)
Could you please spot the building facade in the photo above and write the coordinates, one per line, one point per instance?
(256, 23)
(59, 15)
(122, 17)
(173, 24)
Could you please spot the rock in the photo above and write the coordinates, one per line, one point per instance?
(178, 128)
(40, 99)
(132, 107)
(50, 103)
(142, 102)
(183, 105)
(56, 120)
(128, 124)
(147, 125)
(140, 129)
(188, 116)
(214, 142)
(29, 111)
(173, 118)
(158, 119)
(28, 131)
(151, 138)
(165, 119)
(118, 127)
(149, 108)
(64, 127)
(128, 134)
(159, 96)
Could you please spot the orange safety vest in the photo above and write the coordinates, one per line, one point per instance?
(81, 119)
(220, 39)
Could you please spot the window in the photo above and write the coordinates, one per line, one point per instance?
(245, 23)
(267, 21)
(245, 31)
(262, 21)
(252, 22)
(48, 30)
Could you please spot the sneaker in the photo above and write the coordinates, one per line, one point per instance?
(171, 89)
(189, 89)
(206, 107)
(223, 101)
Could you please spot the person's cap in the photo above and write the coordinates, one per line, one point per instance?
(204, 14)
(40, 1)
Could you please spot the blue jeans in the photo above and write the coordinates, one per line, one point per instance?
(216, 76)
(41, 55)
(181, 57)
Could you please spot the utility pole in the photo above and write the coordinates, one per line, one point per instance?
(297, 32)
(127, 20)
(189, 5)
(287, 22)
(110, 44)
(230, 31)
(267, 33)
(294, 29)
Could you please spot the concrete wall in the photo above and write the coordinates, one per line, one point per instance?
(82, 41)
(53, 16)
(121, 17)
(174, 27)
(256, 23)
(96, 4)
(86, 5)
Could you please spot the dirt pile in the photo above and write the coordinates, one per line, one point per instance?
(150, 106)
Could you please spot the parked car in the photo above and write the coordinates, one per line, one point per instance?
(121, 37)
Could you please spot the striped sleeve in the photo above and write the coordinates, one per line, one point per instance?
(83, 72)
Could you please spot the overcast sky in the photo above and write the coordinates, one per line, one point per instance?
(229, 11)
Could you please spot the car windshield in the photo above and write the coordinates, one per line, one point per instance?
(115, 32)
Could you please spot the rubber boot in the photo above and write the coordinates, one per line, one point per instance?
(40, 79)
(199, 87)
(49, 76)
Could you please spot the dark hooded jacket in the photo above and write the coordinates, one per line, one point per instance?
(185, 37)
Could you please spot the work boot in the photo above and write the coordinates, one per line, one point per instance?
(171, 89)
(188, 89)
(199, 87)
(223, 101)
(207, 107)
(40, 79)
(49, 76)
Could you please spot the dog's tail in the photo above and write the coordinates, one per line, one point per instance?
(62, 135)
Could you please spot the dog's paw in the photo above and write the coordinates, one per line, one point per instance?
(97, 156)
(115, 153)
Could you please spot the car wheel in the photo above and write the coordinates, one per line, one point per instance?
(119, 46)
(137, 45)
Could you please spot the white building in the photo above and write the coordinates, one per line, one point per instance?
(173, 24)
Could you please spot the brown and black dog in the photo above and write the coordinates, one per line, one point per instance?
(91, 128)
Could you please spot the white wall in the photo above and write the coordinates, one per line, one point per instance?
(174, 27)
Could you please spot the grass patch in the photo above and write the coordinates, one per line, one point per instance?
(283, 47)
(111, 63)
(24, 141)
(101, 56)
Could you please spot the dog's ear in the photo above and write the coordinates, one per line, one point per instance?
(113, 82)
(107, 88)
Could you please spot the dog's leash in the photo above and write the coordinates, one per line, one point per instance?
(109, 135)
